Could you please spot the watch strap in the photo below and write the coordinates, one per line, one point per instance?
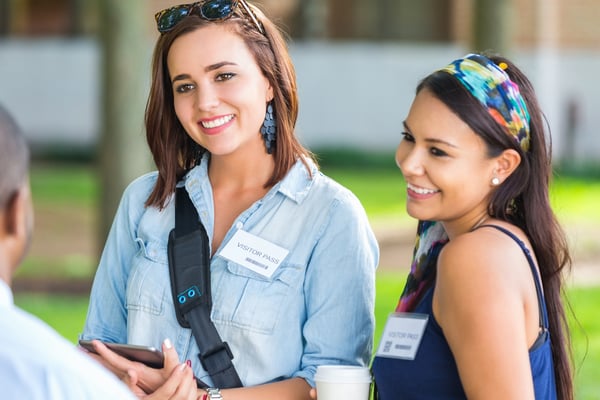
(213, 394)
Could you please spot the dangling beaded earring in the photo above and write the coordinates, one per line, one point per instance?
(269, 128)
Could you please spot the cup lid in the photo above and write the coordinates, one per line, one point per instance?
(342, 373)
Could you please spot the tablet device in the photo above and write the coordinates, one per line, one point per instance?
(148, 355)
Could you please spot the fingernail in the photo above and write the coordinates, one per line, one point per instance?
(168, 343)
(183, 366)
(189, 363)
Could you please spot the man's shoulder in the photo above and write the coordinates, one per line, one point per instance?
(35, 354)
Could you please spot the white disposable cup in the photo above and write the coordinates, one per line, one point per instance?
(343, 382)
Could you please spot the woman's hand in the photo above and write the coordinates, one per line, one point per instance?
(147, 380)
(181, 385)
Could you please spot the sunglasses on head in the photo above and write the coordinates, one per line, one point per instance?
(210, 10)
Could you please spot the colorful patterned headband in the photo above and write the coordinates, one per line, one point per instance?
(492, 86)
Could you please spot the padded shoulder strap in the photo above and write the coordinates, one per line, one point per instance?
(189, 259)
(189, 268)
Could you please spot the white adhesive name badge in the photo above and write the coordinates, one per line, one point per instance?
(254, 253)
(402, 335)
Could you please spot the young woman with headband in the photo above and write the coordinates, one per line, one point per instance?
(481, 314)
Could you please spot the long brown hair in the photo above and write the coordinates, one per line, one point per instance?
(523, 199)
(173, 150)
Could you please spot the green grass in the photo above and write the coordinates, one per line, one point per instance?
(65, 197)
(585, 331)
(64, 184)
(575, 200)
(64, 313)
(381, 190)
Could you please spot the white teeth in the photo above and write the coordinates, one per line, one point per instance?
(215, 123)
(420, 190)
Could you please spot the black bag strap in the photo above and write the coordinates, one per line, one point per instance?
(189, 267)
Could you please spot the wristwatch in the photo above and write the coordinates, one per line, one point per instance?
(214, 394)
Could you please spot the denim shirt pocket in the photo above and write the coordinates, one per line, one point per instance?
(149, 279)
(248, 300)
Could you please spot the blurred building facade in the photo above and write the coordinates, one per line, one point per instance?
(378, 50)
(378, 20)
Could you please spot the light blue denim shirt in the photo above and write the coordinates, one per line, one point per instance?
(316, 308)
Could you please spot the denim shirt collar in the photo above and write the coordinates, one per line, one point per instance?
(295, 185)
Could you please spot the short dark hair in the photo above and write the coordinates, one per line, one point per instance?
(14, 157)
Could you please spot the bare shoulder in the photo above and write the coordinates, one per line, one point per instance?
(484, 248)
(485, 264)
(484, 259)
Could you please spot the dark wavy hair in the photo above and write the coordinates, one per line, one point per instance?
(173, 150)
(523, 199)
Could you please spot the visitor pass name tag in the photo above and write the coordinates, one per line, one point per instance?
(402, 335)
(254, 253)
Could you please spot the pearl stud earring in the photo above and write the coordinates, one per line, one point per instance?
(495, 181)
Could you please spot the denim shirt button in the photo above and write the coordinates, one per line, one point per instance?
(239, 225)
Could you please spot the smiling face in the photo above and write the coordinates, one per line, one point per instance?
(220, 93)
(444, 163)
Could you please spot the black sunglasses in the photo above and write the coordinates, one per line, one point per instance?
(210, 10)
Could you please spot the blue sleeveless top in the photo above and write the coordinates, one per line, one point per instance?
(433, 373)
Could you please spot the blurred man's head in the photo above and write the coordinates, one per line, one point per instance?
(16, 211)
